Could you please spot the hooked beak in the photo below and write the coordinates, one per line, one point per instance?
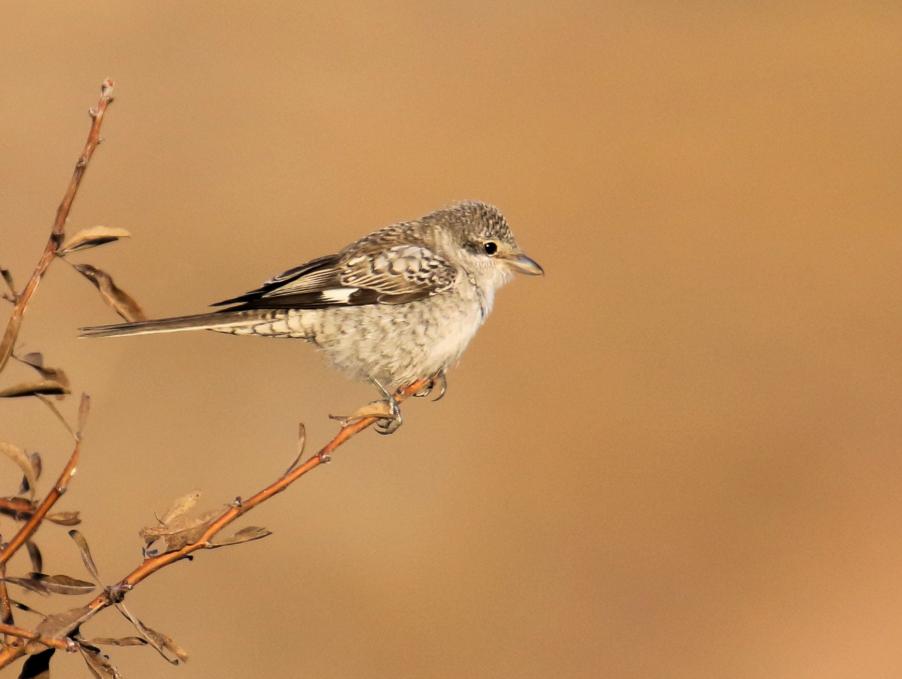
(523, 264)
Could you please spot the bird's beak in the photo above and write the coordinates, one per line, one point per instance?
(523, 264)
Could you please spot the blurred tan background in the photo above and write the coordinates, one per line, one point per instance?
(677, 455)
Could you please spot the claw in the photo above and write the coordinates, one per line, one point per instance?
(438, 380)
(443, 388)
(426, 390)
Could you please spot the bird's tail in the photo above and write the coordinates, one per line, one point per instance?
(221, 320)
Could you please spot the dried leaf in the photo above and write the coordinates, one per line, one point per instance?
(37, 665)
(182, 531)
(84, 407)
(36, 360)
(97, 662)
(58, 625)
(123, 641)
(37, 463)
(8, 279)
(52, 584)
(85, 553)
(169, 644)
(24, 461)
(64, 518)
(26, 608)
(302, 443)
(92, 237)
(114, 296)
(44, 387)
(244, 535)
(37, 561)
(180, 507)
(159, 641)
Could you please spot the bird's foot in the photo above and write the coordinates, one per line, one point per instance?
(389, 424)
(386, 411)
(437, 381)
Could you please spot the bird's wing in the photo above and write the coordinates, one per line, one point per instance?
(368, 272)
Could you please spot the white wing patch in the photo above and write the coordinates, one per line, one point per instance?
(338, 295)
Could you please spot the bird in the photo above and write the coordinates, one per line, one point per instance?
(397, 306)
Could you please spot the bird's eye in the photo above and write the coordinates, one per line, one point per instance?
(491, 247)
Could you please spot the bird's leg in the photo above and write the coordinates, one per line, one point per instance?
(386, 410)
(439, 380)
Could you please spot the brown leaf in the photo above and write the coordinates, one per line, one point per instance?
(26, 608)
(122, 641)
(180, 507)
(168, 643)
(244, 535)
(159, 641)
(85, 553)
(91, 238)
(44, 387)
(38, 467)
(37, 561)
(302, 443)
(52, 584)
(180, 532)
(97, 662)
(36, 360)
(84, 407)
(58, 625)
(24, 461)
(64, 518)
(115, 297)
(37, 665)
(8, 279)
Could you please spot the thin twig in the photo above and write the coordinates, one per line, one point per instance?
(154, 564)
(6, 608)
(58, 231)
(27, 530)
(14, 631)
(150, 566)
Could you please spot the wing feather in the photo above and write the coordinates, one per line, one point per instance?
(371, 271)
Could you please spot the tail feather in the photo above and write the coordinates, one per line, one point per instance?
(208, 321)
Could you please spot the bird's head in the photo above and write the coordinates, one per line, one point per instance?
(481, 241)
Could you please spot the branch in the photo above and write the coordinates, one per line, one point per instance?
(241, 507)
(59, 225)
(117, 592)
(12, 630)
(6, 609)
(27, 530)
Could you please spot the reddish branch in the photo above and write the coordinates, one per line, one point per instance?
(237, 509)
(151, 565)
(14, 631)
(57, 233)
(30, 526)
